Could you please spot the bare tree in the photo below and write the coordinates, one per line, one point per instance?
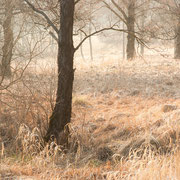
(177, 41)
(172, 9)
(61, 115)
(177, 32)
(130, 12)
(165, 23)
(125, 11)
(5, 69)
(8, 12)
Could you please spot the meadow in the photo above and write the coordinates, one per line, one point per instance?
(125, 122)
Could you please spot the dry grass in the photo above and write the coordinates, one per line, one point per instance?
(125, 124)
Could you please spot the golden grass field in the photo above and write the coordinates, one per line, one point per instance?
(125, 123)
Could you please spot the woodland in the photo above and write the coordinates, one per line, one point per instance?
(89, 89)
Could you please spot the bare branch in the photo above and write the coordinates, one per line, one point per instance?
(107, 5)
(50, 32)
(44, 15)
(101, 30)
(53, 36)
(120, 9)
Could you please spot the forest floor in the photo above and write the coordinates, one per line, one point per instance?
(125, 123)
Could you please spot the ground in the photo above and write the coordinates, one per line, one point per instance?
(125, 122)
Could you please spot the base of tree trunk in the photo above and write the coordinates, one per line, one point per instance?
(61, 138)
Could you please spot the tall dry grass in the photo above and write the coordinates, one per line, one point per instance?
(125, 125)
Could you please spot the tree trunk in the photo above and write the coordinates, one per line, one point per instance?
(177, 42)
(90, 40)
(61, 114)
(5, 68)
(124, 45)
(81, 47)
(130, 27)
(142, 27)
(91, 49)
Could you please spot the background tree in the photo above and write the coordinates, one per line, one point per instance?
(10, 11)
(176, 11)
(132, 14)
(162, 23)
(177, 40)
(61, 114)
(5, 69)
(125, 11)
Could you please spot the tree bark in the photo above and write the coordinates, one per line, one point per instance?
(130, 27)
(61, 114)
(177, 42)
(5, 68)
